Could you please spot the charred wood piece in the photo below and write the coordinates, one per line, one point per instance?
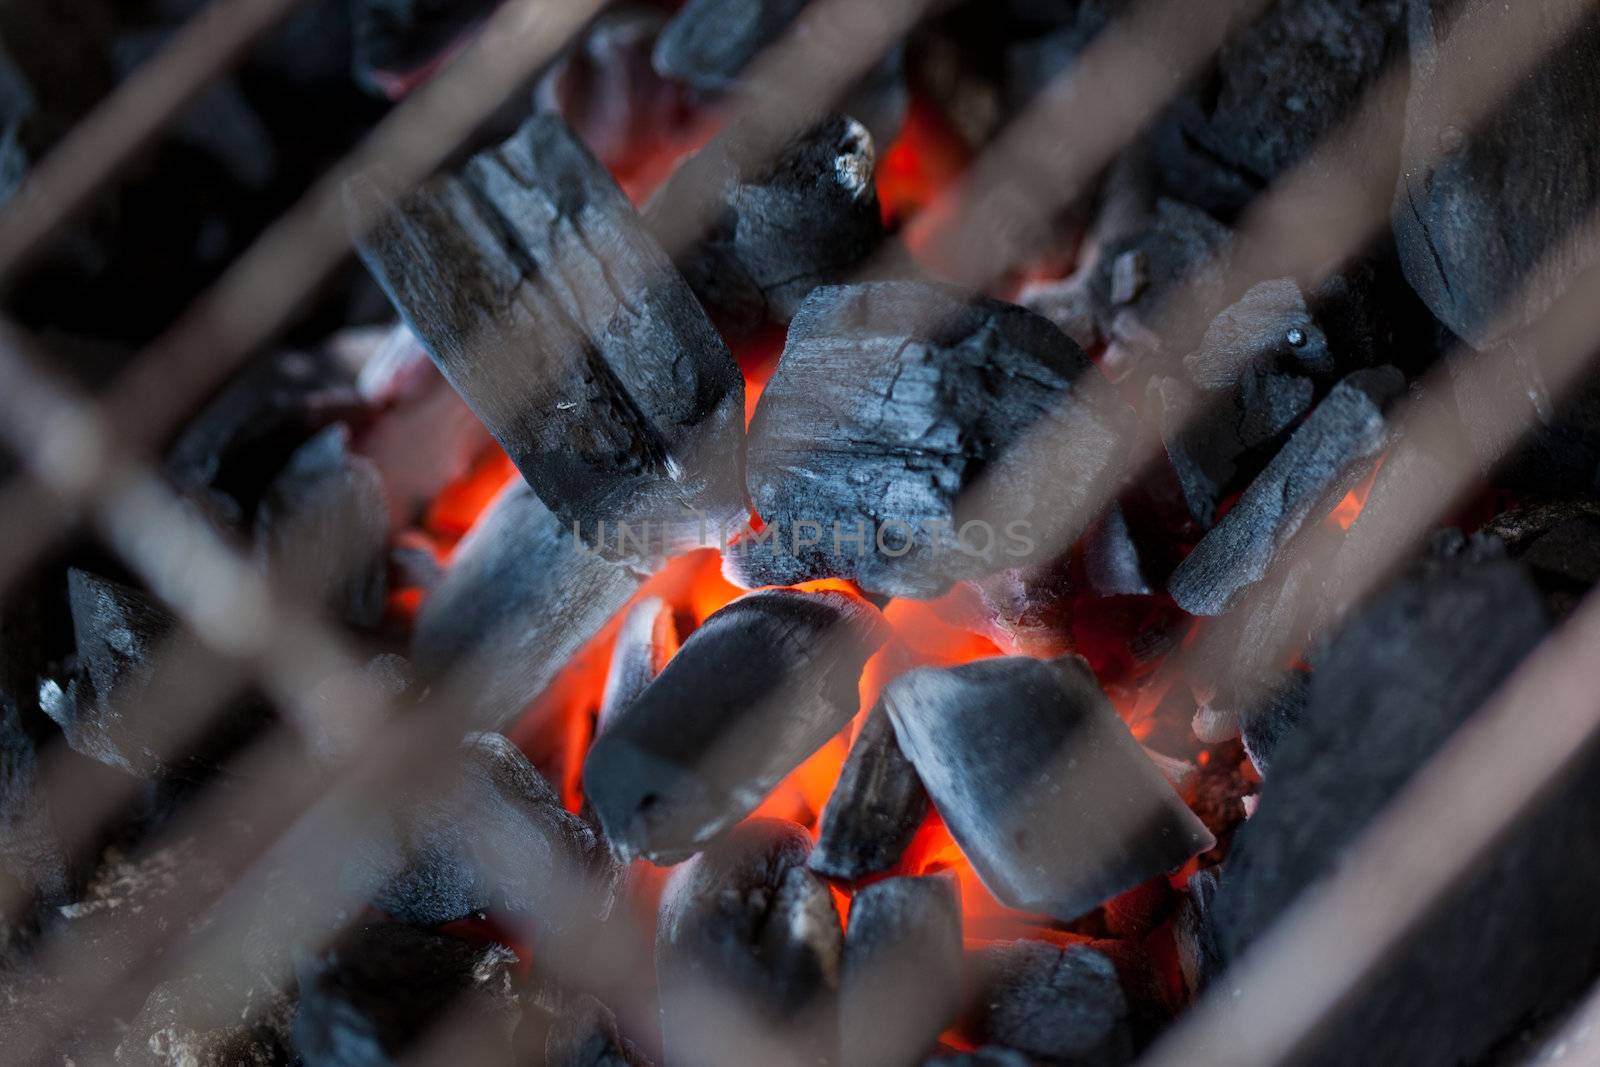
(1040, 782)
(494, 837)
(1401, 677)
(322, 530)
(1305, 480)
(902, 979)
(647, 640)
(1058, 1004)
(876, 807)
(918, 434)
(563, 325)
(761, 685)
(746, 919)
(384, 986)
(114, 707)
(1525, 170)
(1113, 564)
(520, 598)
(783, 227)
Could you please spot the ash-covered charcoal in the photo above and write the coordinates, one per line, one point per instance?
(783, 227)
(414, 404)
(746, 920)
(1307, 477)
(1028, 610)
(1269, 328)
(761, 685)
(1062, 1005)
(1272, 719)
(397, 42)
(1040, 782)
(383, 987)
(1529, 170)
(709, 43)
(1191, 931)
(1559, 542)
(916, 434)
(875, 809)
(578, 1032)
(1281, 85)
(901, 983)
(561, 322)
(1402, 676)
(522, 595)
(494, 837)
(1182, 251)
(1067, 302)
(227, 455)
(1112, 562)
(205, 1020)
(647, 640)
(322, 530)
(114, 709)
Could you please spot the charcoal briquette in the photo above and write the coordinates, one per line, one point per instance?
(1040, 782)
(875, 809)
(761, 685)
(1062, 1004)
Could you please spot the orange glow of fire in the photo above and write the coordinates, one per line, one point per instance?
(453, 512)
(1350, 507)
(925, 159)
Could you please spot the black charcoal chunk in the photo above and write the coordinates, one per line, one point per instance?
(1283, 84)
(1528, 171)
(1112, 562)
(1179, 258)
(1400, 679)
(1269, 327)
(760, 686)
(395, 40)
(581, 1032)
(783, 226)
(383, 987)
(901, 983)
(522, 595)
(1559, 541)
(1192, 932)
(1064, 1005)
(32, 852)
(875, 809)
(1040, 782)
(647, 639)
(322, 529)
(709, 43)
(115, 709)
(494, 837)
(1308, 476)
(916, 434)
(205, 1020)
(1266, 726)
(745, 920)
(561, 322)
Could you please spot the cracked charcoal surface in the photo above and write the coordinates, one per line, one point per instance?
(1062, 1005)
(890, 401)
(762, 684)
(553, 312)
(1304, 480)
(1528, 173)
(1040, 782)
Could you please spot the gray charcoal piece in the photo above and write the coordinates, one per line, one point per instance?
(783, 227)
(1028, 610)
(875, 809)
(1112, 562)
(745, 919)
(493, 837)
(380, 990)
(1185, 254)
(1269, 327)
(1405, 673)
(901, 983)
(1527, 171)
(202, 1019)
(580, 1032)
(1191, 930)
(648, 637)
(900, 413)
(1040, 782)
(521, 597)
(1308, 476)
(760, 686)
(551, 309)
(1063, 1005)
(322, 529)
(1273, 719)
